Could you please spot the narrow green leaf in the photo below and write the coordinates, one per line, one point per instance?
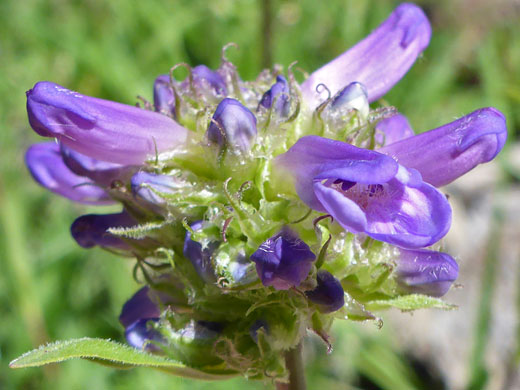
(113, 354)
(410, 302)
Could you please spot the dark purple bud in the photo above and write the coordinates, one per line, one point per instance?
(366, 192)
(47, 167)
(163, 97)
(256, 326)
(140, 333)
(283, 261)
(353, 96)
(148, 187)
(101, 129)
(91, 230)
(101, 172)
(279, 95)
(138, 307)
(443, 154)
(328, 294)
(393, 129)
(200, 257)
(203, 75)
(426, 272)
(379, 61)
(232, 125)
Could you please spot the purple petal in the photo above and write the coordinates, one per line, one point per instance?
(200, 257)
(426, 272)
(138, 307)
(328, 294)
(283, 261)
(46, 165)
(404, 211)
(163, 98)
(279, 95)
(443, 154)
(314, 158)
(147, 186)
(139, 333)
(91, 230)
(393, 129)
(233, 125)
(379, 61)
(101, 129)
(101, 172)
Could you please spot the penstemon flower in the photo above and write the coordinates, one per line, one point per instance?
(260, 210)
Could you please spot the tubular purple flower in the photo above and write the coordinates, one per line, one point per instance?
(101, 129)
(101, 172)
(46, 166)
(140, 333)
(393, 129)
(443, 154)
(200, 257)
(328, 294)
(91, 230)
(283, 261)
(139, 306)
(279, 95)
(426, 272)
(147, 186)
(379, 61)
(232, 125)
(163, 98)
(366, 192)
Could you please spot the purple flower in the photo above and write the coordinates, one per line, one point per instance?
(393, 129)
(91, 230)
(101, 129)
(200, 257)
(353, 96)
(202, 75)
(279, 95)
(138, 307)
(426, 272)
(328, 294)
(163, 98)
(283, 261)
(233, 125)
(147, 187)
(101, 172)
(46, 165)
(378, 61)
(445, 153)
(367, 192)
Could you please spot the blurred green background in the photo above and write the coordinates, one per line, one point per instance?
(51, 289)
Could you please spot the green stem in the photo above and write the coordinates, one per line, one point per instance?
(294, 364)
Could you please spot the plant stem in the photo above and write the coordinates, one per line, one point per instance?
(294, 364)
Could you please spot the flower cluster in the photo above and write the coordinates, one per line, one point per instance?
(258, 210)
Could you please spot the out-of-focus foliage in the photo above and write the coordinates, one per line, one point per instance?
(51, 289)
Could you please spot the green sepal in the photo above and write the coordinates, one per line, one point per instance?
(113, 354)
(410, 302)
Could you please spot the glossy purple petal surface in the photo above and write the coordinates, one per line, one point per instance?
(426, 272)
(101, 129)
(278, 95)
(379, 61)
(139, 306)
(46, 165)
(393, 129)
(200, 257)
(283, 261)
(443, 154)
(328, 294)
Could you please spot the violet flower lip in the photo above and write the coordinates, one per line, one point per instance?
(46, 165)
(101, 129)
(379, 61)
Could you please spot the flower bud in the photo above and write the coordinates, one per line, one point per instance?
(353, 96)
(233, 125)
(200, 257)
(426, 272)
(283, 261)
(149, 187)
(279, 96)
(163, 97)
(328, 294)
(203, 75)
